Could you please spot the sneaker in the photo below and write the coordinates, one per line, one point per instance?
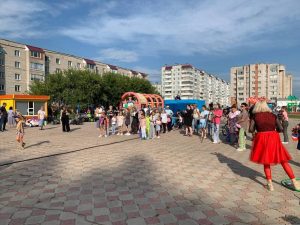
(270, 187)
(215, 142)
(127, 134)
(158, 136)
(121, 134)
(285, 143)
(100, 136)
(105, 135)
(241, 149)
(118, 134)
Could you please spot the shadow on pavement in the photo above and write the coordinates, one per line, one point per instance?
(73, 129)
(136, 181)
(64, 153)
(50, 128)
(291, 219)
(238, 168)
(6, 164)
(294, 163)
(38, 144)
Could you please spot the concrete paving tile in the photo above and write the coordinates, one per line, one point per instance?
(156, 184)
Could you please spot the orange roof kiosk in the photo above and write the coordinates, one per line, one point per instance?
(27, 105)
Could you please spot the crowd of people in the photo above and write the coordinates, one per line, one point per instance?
(256, 121)
(148, 123)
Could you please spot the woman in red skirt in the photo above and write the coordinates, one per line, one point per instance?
(267, 148)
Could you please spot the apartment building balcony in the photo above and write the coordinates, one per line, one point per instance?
(190, 82)
(187, 88)
(183, 75)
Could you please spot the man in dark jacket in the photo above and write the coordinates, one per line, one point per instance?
(3, 119)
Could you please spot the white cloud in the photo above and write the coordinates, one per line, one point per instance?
(186, 27)
(118, 55)
(154, 75)
(19, 18)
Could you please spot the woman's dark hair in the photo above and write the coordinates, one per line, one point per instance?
(234, 106)
(10, 108)
(284, 108)
(204, 107)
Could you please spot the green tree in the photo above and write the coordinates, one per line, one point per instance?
(85, 87)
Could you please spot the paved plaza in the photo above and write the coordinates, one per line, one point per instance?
(78, 178)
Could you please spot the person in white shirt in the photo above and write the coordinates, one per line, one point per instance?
(41, 117)
(164, 120)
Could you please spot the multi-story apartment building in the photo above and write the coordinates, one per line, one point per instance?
(191, 83)
(157, 86)
(260, 80)
(20, 64)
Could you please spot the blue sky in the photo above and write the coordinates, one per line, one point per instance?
(213, 35)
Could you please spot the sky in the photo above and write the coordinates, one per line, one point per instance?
(212, 35)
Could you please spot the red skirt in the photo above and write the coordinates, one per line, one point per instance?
(268, 149)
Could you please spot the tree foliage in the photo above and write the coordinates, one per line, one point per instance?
(84, 87)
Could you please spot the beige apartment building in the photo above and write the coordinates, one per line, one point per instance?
(191, 83)
(158, 87)
(260, 80)
(20, 64)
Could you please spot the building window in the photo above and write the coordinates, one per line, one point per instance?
(17, 76)
(35, 54)
(58, 61)
(90, 66)
(37, 66)
(69, 63)
(78, 65)
(1, 62)
(17, 65)
(2, 75)
(17, 88)
(37, 77)
(1, 87)
(17, 53)
(58, 70)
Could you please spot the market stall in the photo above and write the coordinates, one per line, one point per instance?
(27, 105)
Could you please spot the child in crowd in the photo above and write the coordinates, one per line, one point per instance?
(148, 126)
(152, 119)
(143, 127)
(113, 124)
(180, 120)
(157, 126)
(107, 124)
(20, 131)
(103, 124)
(120, 122)
(127, 121)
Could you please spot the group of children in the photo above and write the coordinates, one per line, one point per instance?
(121, 123)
